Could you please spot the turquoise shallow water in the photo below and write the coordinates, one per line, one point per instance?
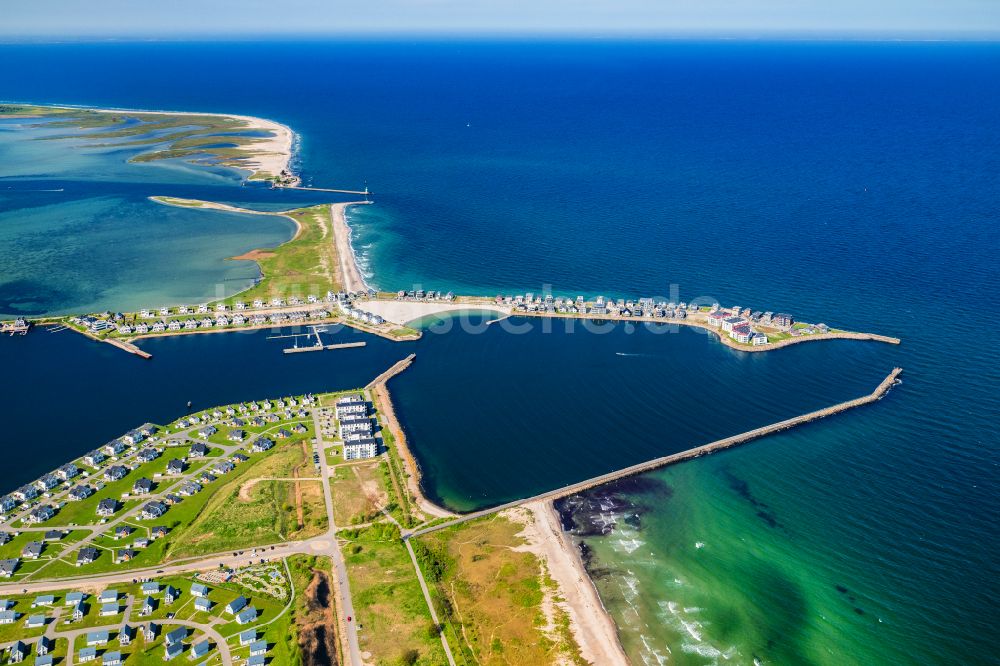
(79, 234)
(850, 183)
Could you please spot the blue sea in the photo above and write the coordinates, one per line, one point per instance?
(850, 183)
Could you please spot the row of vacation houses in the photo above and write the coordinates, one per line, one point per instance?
(221, 321)
(421, 295)
(107, 320)
(111, 604)
(347, 307)
(64, 474)
(256, 304)
(151, 510)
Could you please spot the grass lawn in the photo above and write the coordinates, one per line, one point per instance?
(392, 615)
(358, 491)
(146, 653)
(403, 332)
(238, 517)
(12, 549)
(213, 520)
(84, 512)
(490, 596)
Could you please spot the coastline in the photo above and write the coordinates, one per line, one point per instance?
(347, 270)
(380, 391)
(200, 204)
(724, 339)
(352, 279)
(589, 621)
(590, 624)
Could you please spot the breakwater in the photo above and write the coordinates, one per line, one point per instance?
(128, 346)
(706, 449)
(396, 368)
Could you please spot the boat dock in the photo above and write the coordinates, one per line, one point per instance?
(696, 452)
(322, 347)
(316, 346)
(19, 326)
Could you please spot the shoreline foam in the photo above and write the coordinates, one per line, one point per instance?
(352, 278)
(589, 621)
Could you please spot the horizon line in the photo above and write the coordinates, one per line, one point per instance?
(745, 35)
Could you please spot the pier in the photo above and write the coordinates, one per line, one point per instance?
(363, 192)
(309, 348)
(316, 346)
(128, 346)
(696, 452)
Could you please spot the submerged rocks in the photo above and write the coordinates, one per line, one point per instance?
(598, 511)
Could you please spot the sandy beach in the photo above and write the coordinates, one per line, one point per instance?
(589, 622)
(403, 312)
(350, 275)
(212, 205)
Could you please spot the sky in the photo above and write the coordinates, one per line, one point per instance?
(183, 18)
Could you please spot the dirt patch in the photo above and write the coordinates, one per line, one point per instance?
(253, 255)
(317, 636)
(299, 514)
(372, 490)
(246, 490)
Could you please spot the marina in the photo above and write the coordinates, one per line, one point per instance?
(316, 346)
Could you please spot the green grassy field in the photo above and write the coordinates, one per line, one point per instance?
(206, 522)
(392, 615)
(490, 596)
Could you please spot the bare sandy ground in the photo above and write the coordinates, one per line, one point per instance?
(403, 312)
(351, 278)
(590, 623)
(213, 205)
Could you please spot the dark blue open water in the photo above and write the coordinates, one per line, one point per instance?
(855, 184)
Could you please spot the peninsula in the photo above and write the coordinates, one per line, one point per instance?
(262, 531)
